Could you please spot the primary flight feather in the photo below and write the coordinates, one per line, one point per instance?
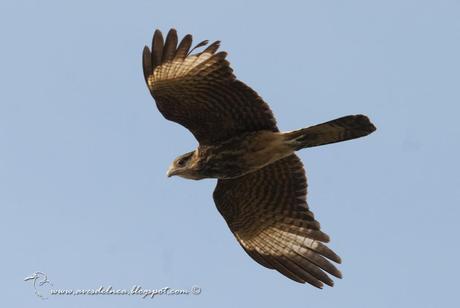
(261, 188)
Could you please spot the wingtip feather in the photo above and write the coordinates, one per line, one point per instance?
(157, 48)
(146, 63)
(170, 45)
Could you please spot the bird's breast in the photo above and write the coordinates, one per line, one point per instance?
(243, 154)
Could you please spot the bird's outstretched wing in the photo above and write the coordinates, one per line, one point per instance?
(268, 214)
(200, 92)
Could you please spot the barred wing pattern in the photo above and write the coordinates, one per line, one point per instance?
(268, 214)
(200, 92)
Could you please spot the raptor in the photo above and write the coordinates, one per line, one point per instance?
(261, 184)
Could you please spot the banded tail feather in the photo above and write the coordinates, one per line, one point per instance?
(341, 129)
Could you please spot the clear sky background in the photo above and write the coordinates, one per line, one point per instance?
(84, 151)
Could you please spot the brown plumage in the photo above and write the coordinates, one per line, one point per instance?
(261, 189)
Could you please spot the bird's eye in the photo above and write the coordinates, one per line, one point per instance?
(181, 162)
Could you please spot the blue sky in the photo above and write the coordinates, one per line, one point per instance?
(83, 191)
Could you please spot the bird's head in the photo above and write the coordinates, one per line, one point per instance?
(185, 166)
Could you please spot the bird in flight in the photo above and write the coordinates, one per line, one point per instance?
(261, 184)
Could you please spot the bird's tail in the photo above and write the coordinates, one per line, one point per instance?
(341, 129)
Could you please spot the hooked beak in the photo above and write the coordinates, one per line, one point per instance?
(171, 172)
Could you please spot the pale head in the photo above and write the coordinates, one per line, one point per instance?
(185, 166)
